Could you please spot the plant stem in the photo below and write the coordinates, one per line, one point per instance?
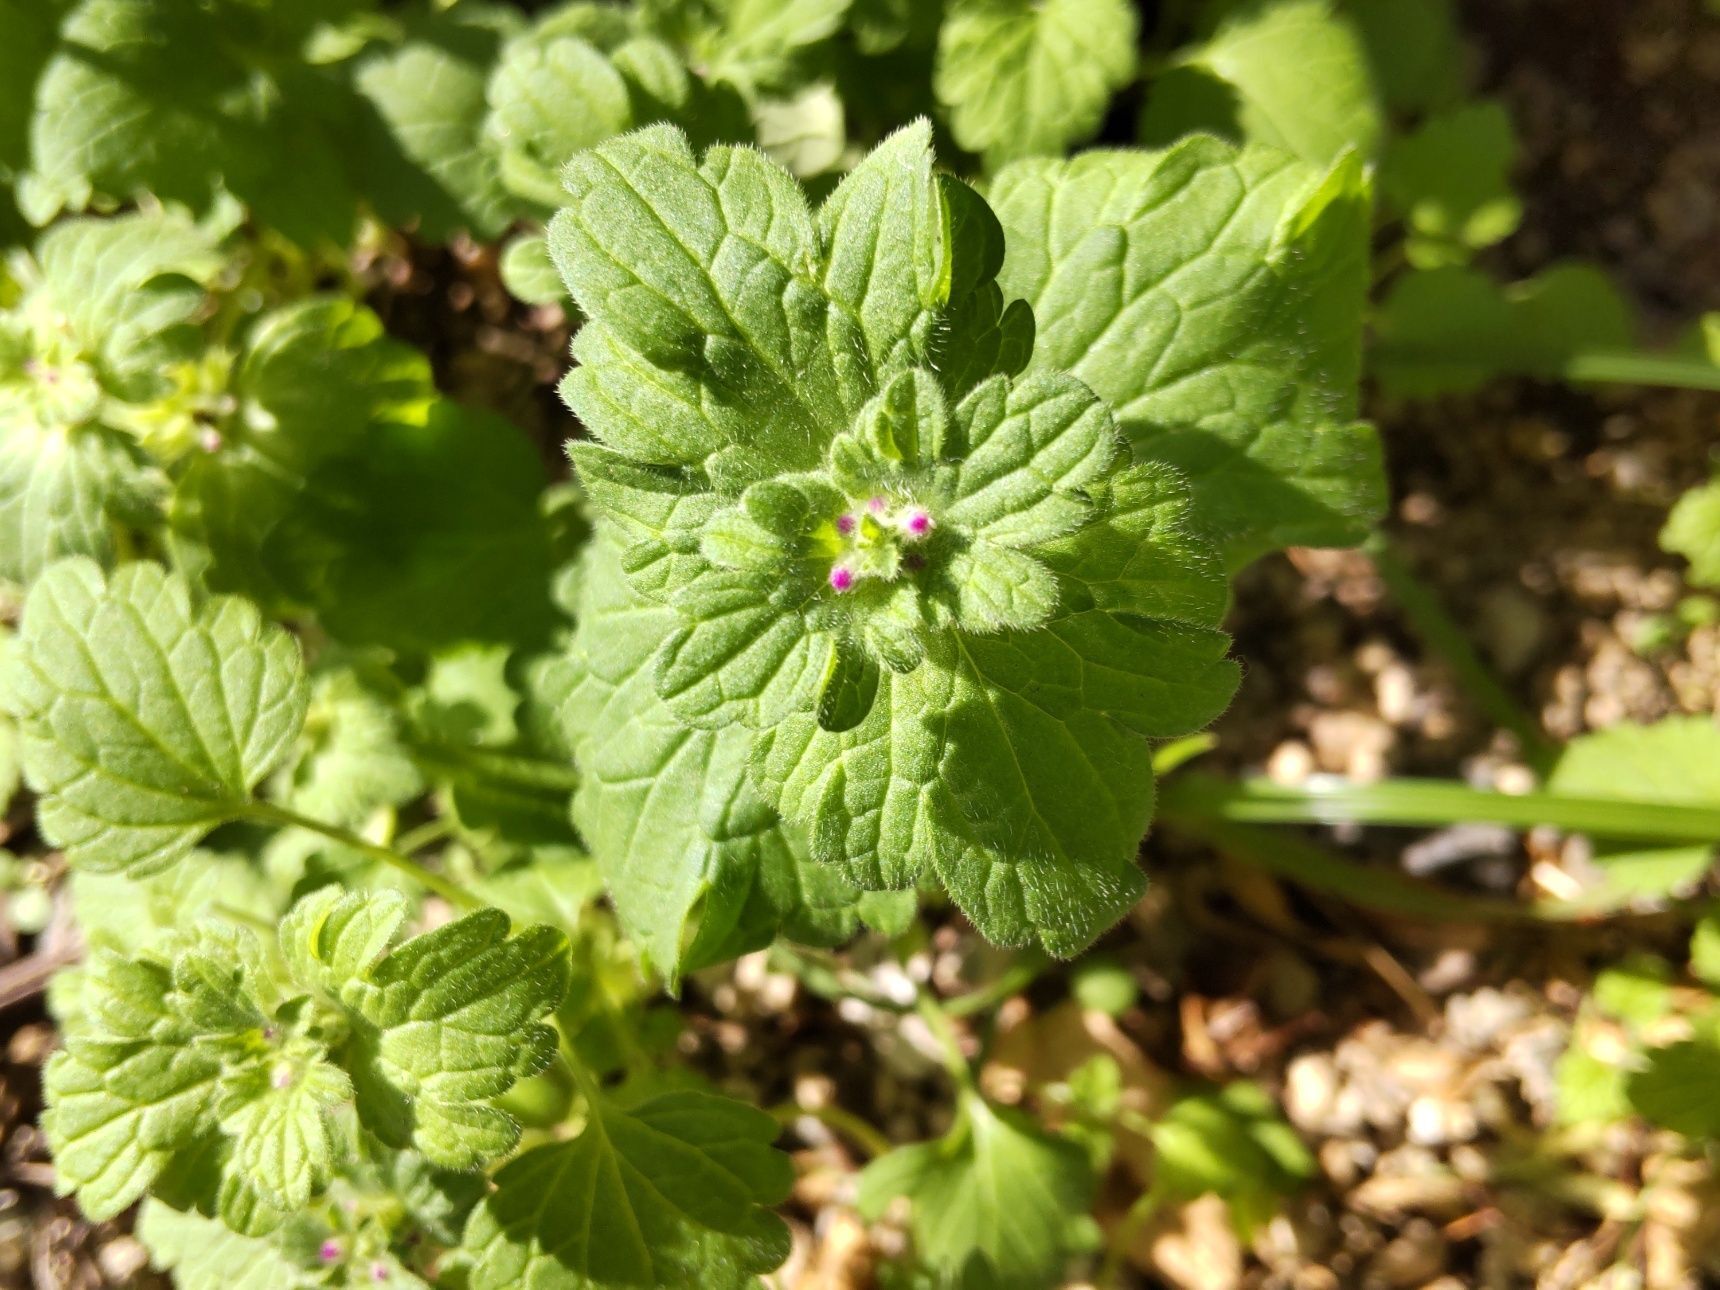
(824, 974)
(533, 773)
(938, 1022)
(1431, 621)
(262, 926)
(1417, 803)
(862, 1134)
(278, 816)
(1634, 367)
(1014, 979)
(1123, 1236)
(430, 832)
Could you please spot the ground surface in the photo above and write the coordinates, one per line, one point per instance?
(1414, 1058)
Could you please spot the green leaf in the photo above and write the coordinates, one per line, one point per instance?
(528, 272)
(757, 45)
(1213, 297)
(1676, 760)
(1032, 817)
(1705, 951)
(1692, 530)
(165, 97)
(426, 145)
(147, 718)
(1292, 74)
(204, 1254)
(997, 1195)
(669, 1192)
(668, 810)
(1591, 1090)
(1451, 330)
(284, 1145)
(548, 99)
(115, 289)
(1232, 1142)
(807, 133)
(1414, 48)
(197, 1056)
(467, 698)
(1451, 179)
(318, 381)
(347, 488)
(1025, 78)
(130, 912)
(856, 572)
(87, 355)
(352, 756)
(443, 1024)
(66, 492)
(638, 245)
(145, 1075)
(1031, 448)
(1637, 992)
(1677, 1089)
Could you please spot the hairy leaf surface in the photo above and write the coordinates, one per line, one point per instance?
(943, 600)
(997, 1202)
(147, 718)
(1026, 78)
(1213, 296)
(671, 1191)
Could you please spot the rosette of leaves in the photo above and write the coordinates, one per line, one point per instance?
(949, 606)
(102, 375)
(236, 1077)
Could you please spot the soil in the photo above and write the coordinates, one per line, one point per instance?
(1414, 1058)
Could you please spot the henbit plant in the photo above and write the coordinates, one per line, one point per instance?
(268, 1081)
(949, 606)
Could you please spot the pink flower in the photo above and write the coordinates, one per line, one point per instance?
(331, 1251)
(845, 524)
(841, 578)
(917, 524)
(876, 505)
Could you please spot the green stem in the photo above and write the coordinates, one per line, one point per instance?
(823, 974)
(1016, 978)
(870, 1140)
(1431, 803)
(270, 814)
(532, 773)
(427, 834)
(1122, 1237)
(1431, 621)
(1634, 367)
(233, 914)
(939, 1023)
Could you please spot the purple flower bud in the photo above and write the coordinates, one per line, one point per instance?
(876, 505)
(917, 524)
(379, 1272)
(841, 578)
(331, 1251)
(845, 524)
